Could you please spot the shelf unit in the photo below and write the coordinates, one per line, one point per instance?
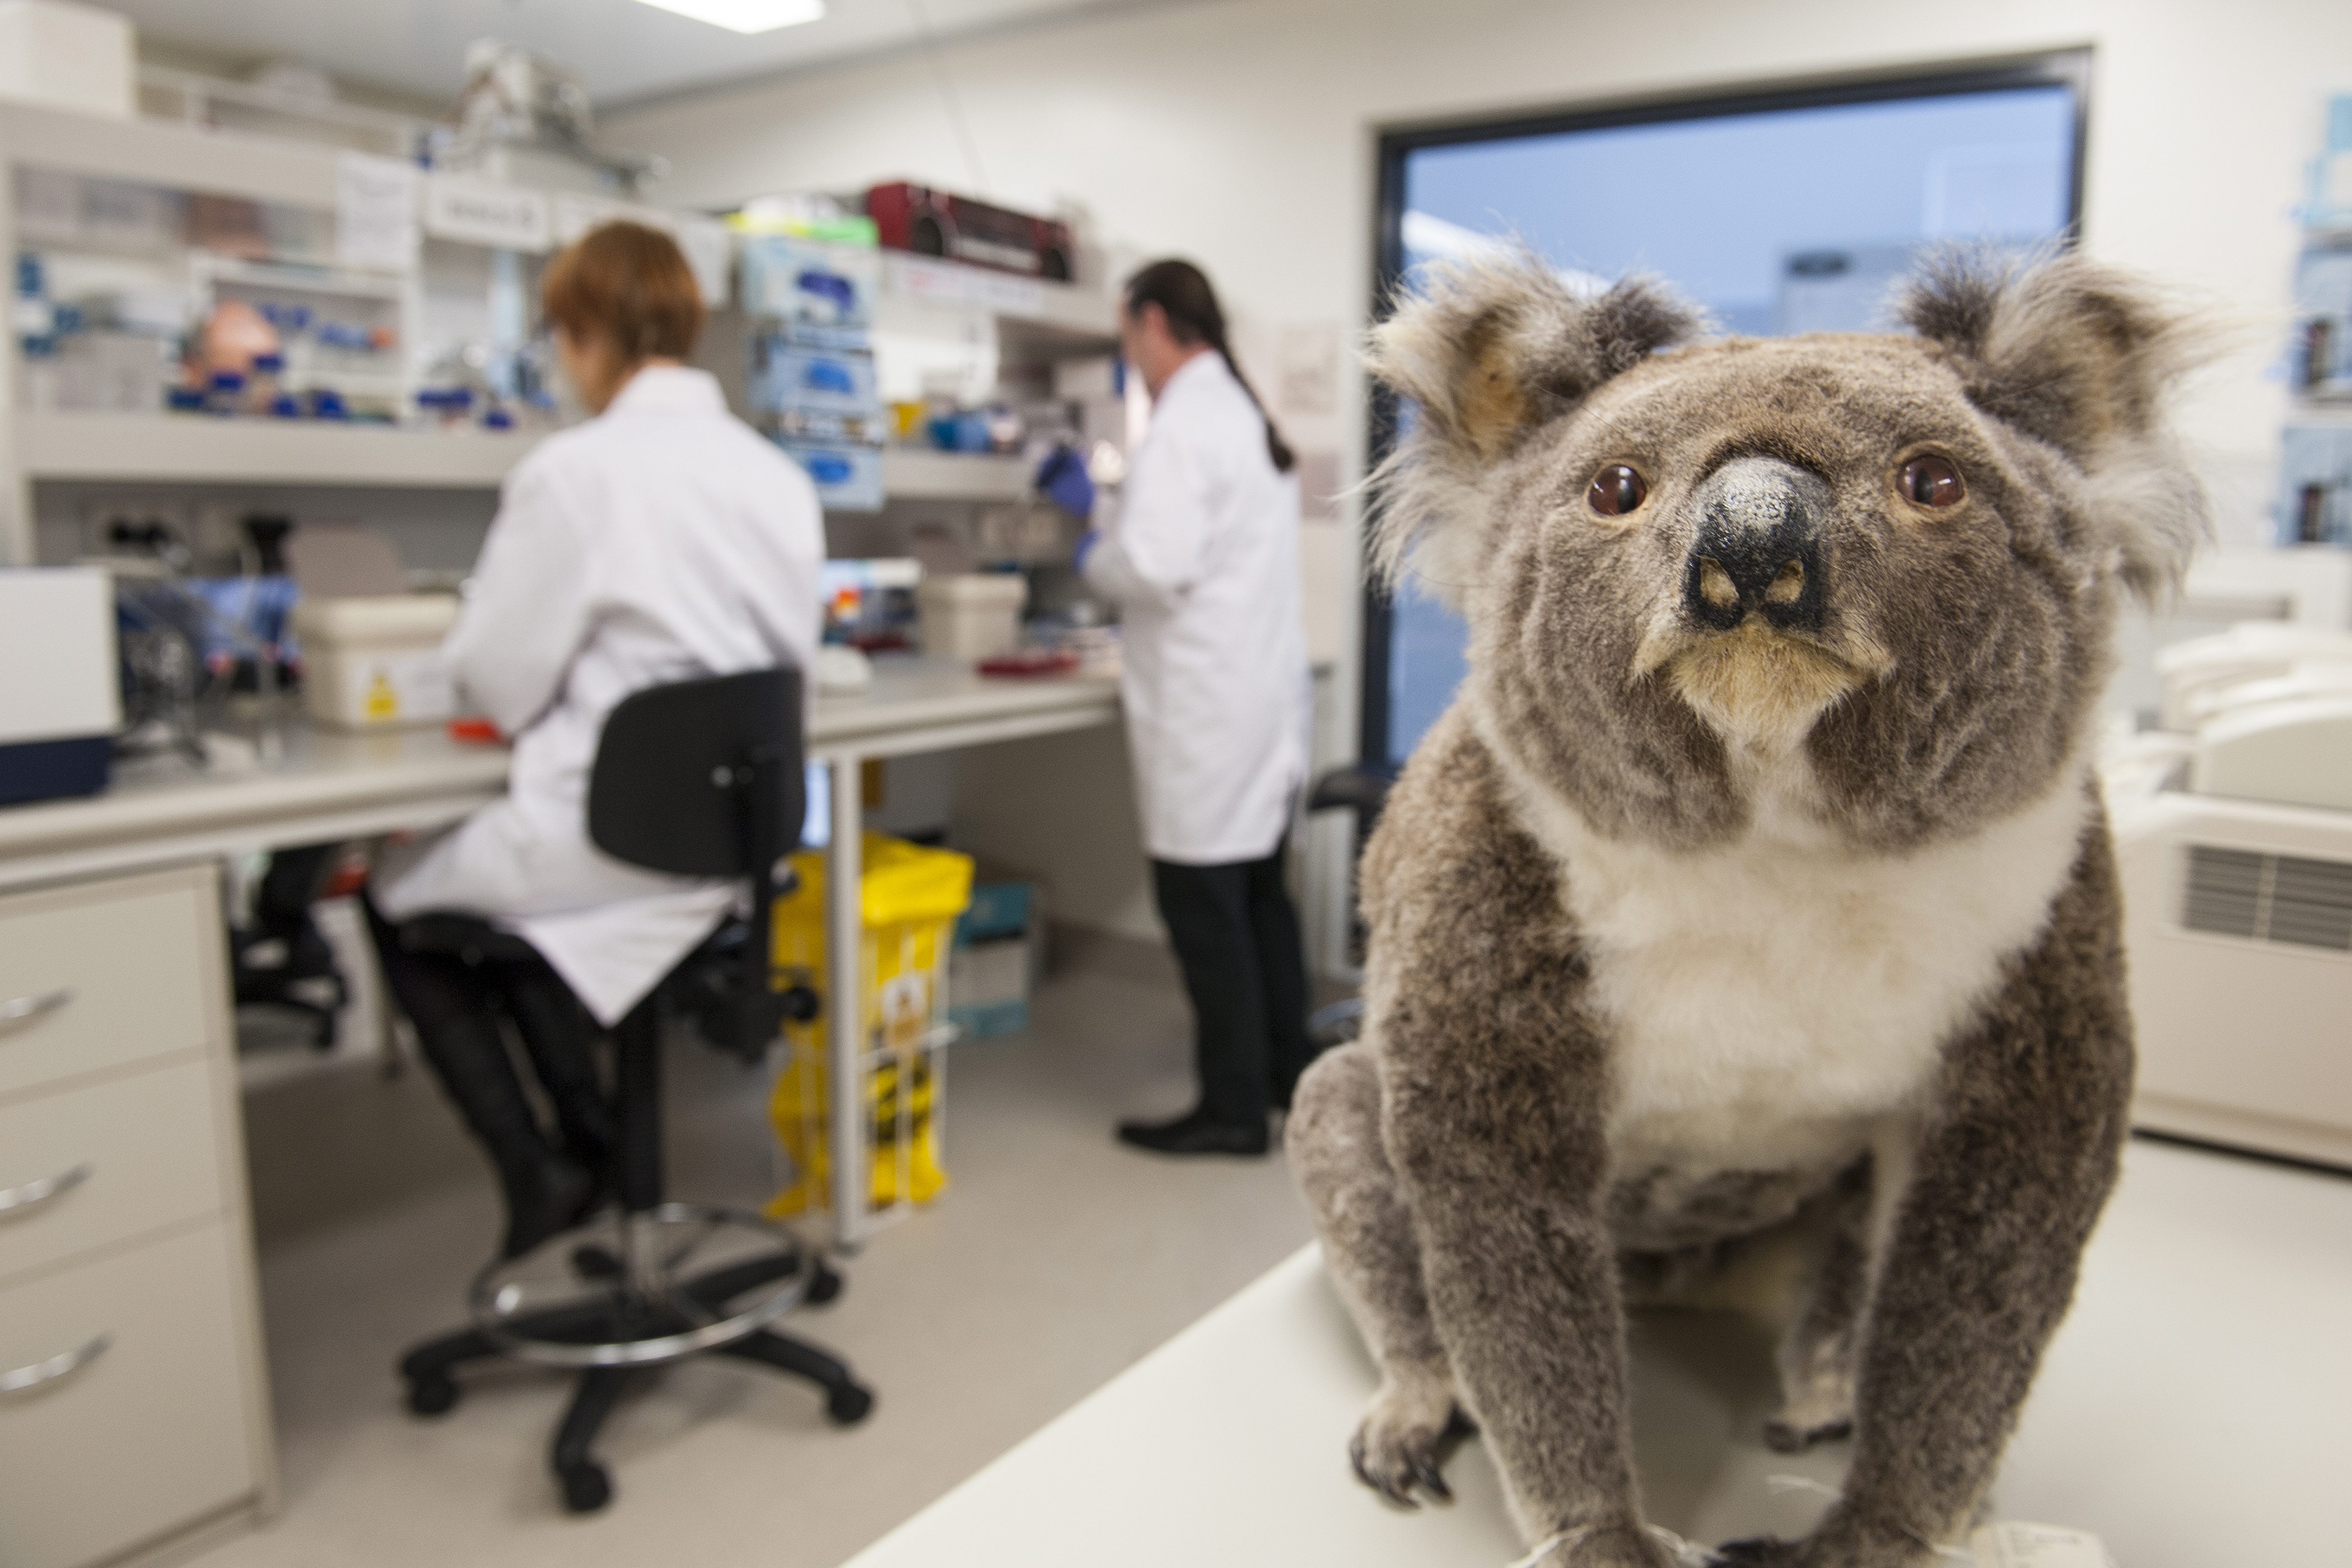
(1036, 321)
(193, 449)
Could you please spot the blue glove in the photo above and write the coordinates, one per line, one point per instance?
(1063, 479)
(1086, 542)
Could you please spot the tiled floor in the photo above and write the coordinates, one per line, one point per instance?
(1057, 1259)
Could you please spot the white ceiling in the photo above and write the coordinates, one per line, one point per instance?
(621, 49)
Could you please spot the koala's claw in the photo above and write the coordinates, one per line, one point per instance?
(1396, 1450)
(1393, 1469)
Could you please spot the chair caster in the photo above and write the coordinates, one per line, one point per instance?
(586, 1487)
(823, 1283)
(848, 1404)
(433, 1395)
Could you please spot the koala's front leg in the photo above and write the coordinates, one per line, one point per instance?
(1981, 1264)
(1498, 1149)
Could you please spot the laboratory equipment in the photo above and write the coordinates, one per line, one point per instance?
(2233, 844)
(57, 732)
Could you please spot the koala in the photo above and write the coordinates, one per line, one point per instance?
(1755, 884)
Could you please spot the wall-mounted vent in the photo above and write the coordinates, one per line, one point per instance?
(2269, 898)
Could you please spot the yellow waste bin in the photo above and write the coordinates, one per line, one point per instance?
(908, 898)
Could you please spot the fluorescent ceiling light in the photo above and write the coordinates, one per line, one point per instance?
(745, 15)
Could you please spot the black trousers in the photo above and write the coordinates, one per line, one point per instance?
(1236, 939)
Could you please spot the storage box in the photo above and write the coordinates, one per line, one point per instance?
(995, 962)
(972, 615)
(66, 57)
(61, 689)
(848, 476)
(807, 283)
(372, 662)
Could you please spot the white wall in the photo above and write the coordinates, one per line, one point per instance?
(1241, 132)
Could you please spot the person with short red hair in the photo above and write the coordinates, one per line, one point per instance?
(659, 541)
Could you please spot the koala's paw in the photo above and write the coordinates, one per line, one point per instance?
(1397, 1448)
(1763, 1551)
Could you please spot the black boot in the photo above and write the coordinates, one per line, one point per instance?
(561, 1039)
(545, 1192)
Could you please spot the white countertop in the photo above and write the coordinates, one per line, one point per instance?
(2186, 1414)
(335, 783)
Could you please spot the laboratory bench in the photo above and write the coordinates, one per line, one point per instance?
(134, 1391)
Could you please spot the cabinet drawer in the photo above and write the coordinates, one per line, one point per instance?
(147, 1144)
(112, 974)
(147, 1435)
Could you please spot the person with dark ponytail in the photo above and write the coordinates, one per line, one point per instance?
(1201, 556)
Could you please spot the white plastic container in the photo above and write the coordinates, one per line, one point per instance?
(370, 663)
(63, 56)
(972, 615)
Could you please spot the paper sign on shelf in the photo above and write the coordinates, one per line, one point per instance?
(703, 240)
(482, 212)
(375, 214)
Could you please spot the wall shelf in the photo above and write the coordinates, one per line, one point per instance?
(193, 449)
(913, 473)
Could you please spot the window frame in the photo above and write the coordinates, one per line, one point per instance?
(2070, 69)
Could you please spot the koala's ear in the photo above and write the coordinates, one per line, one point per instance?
(2080, 356)
(1489, 350)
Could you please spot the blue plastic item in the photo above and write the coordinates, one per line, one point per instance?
(286, 405)
(494, 418)
(226, 393)
(184, 399)
(328, 404)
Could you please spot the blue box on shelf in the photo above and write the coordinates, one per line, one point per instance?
(808, 282)
(848, 475)
(787, 376)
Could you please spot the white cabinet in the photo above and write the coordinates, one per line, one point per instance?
(133, 1397)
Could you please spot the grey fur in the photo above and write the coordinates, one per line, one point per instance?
(1480, 1220)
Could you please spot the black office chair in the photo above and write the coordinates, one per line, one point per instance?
(701, 778)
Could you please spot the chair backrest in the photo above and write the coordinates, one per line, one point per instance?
(673, 785)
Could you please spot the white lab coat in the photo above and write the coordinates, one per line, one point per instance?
(661, 541)
(1202, 559)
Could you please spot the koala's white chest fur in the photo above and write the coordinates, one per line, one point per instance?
(1779, 1002)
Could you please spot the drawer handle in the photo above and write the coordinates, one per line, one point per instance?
(56, 1367)
(14, 1200)
(18, 1009)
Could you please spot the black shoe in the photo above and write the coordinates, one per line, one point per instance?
(543, 1198)
(1195, 1134)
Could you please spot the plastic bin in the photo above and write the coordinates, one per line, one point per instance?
(908, 899)
(972, 615)
(375, 661)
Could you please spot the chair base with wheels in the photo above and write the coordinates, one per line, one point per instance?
(644, 1284)
(701, 778)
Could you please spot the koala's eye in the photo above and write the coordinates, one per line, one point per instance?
(1616, 491)
(1931, 482)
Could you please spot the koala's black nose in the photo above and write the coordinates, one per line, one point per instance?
(1758, 546)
